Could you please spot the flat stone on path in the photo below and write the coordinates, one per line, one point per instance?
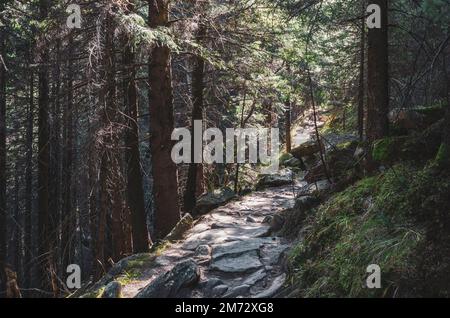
(240, 264)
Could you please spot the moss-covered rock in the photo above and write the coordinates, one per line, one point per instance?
(132, 265)
(419, 147)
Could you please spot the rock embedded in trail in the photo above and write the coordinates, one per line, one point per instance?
(284, 177)
(276, 286)
(255, 277)
(218, 291)
(236, 248)
(237, 264)
(168, 285)
(209, 201)
(237, 291)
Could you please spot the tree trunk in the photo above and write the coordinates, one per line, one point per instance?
(68, 215)
(135, 190)
(29, 186)
(55, 156)
(3, 79)
(165, 185)
(45, 250)
(361, 87)
(288, 105)
(378, 77)
(16, 228)
(194, 184)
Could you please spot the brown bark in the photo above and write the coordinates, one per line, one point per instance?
(378, 77)
(194, 184)
(165, 185)
(135, 191)
(3, 79)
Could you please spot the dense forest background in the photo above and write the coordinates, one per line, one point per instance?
(86, 114)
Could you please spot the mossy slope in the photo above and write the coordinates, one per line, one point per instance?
(399, 219)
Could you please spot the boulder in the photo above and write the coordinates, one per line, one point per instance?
(133, 262)
(168, 285)
(209, 201)
(180, 229)
(112, 290)
(284, 177)
(306, 149)
(294, 163)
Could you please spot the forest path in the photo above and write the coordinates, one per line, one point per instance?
(233, 248)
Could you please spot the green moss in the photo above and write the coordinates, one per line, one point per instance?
(139, 262)
(382, 149)
(397, 220)
(159, 248)
(129, 277)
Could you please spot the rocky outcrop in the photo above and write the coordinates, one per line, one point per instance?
(209, 201)
(284, 177)
(168, 285)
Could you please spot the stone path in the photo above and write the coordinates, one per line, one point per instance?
(233, 248)
(231, 251)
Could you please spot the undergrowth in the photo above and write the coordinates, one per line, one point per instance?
(398, 220)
